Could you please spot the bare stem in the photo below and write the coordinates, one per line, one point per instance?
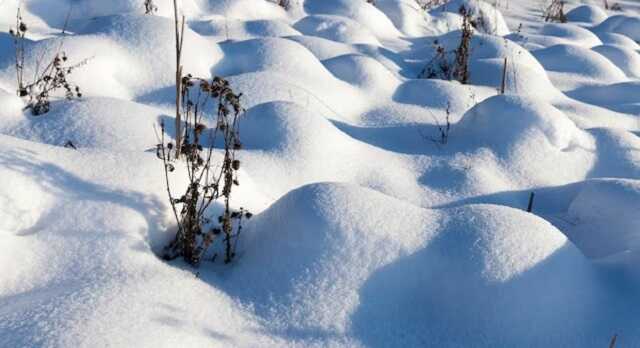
(179, 40)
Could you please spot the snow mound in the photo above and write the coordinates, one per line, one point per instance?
(580, 61)
(571, 34)
(621, 24)
(56, 14)
(528, 135)
(297, 147)
(618, 40)
(361, 12)
(628, 60)
(240, 29)
(323, 48)
(364, 72)
(99, 123)
(606, 216)
(616, 94)
(98, 8)
(350, 271)
(405, 16)
(263, 87)
(619, 153)
(337, 29)
(437, 94)
(587, 14)
(488, 18)
(504, 120)
(276, 55)
(338, 237)
(153, 40)
(246, 9)
(495, 266)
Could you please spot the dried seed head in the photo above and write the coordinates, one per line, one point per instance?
(199, 128)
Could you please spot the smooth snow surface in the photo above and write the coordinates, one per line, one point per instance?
(371, 229)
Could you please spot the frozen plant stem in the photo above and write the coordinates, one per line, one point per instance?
(612, 344)
(530, 205)
(18, 41)
(179, 44)
(504, 77)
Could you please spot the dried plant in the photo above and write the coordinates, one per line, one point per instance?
(439, 66)
(452, 65)
(461, 67)
(615, 7)
(207, 184)
(19, 36)
(554, 12)
(430, 4)
(150, 7)
(446, 128)
(179, 30)
(443, 128)
(285, 4)
(55, 75)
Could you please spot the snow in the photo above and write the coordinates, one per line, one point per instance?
(488, 18)
(591, 14)
(579, 61)
(606, 213)
(390, 210)
(625, 58)
(621, 24)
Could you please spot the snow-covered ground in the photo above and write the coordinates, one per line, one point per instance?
(368, 232)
